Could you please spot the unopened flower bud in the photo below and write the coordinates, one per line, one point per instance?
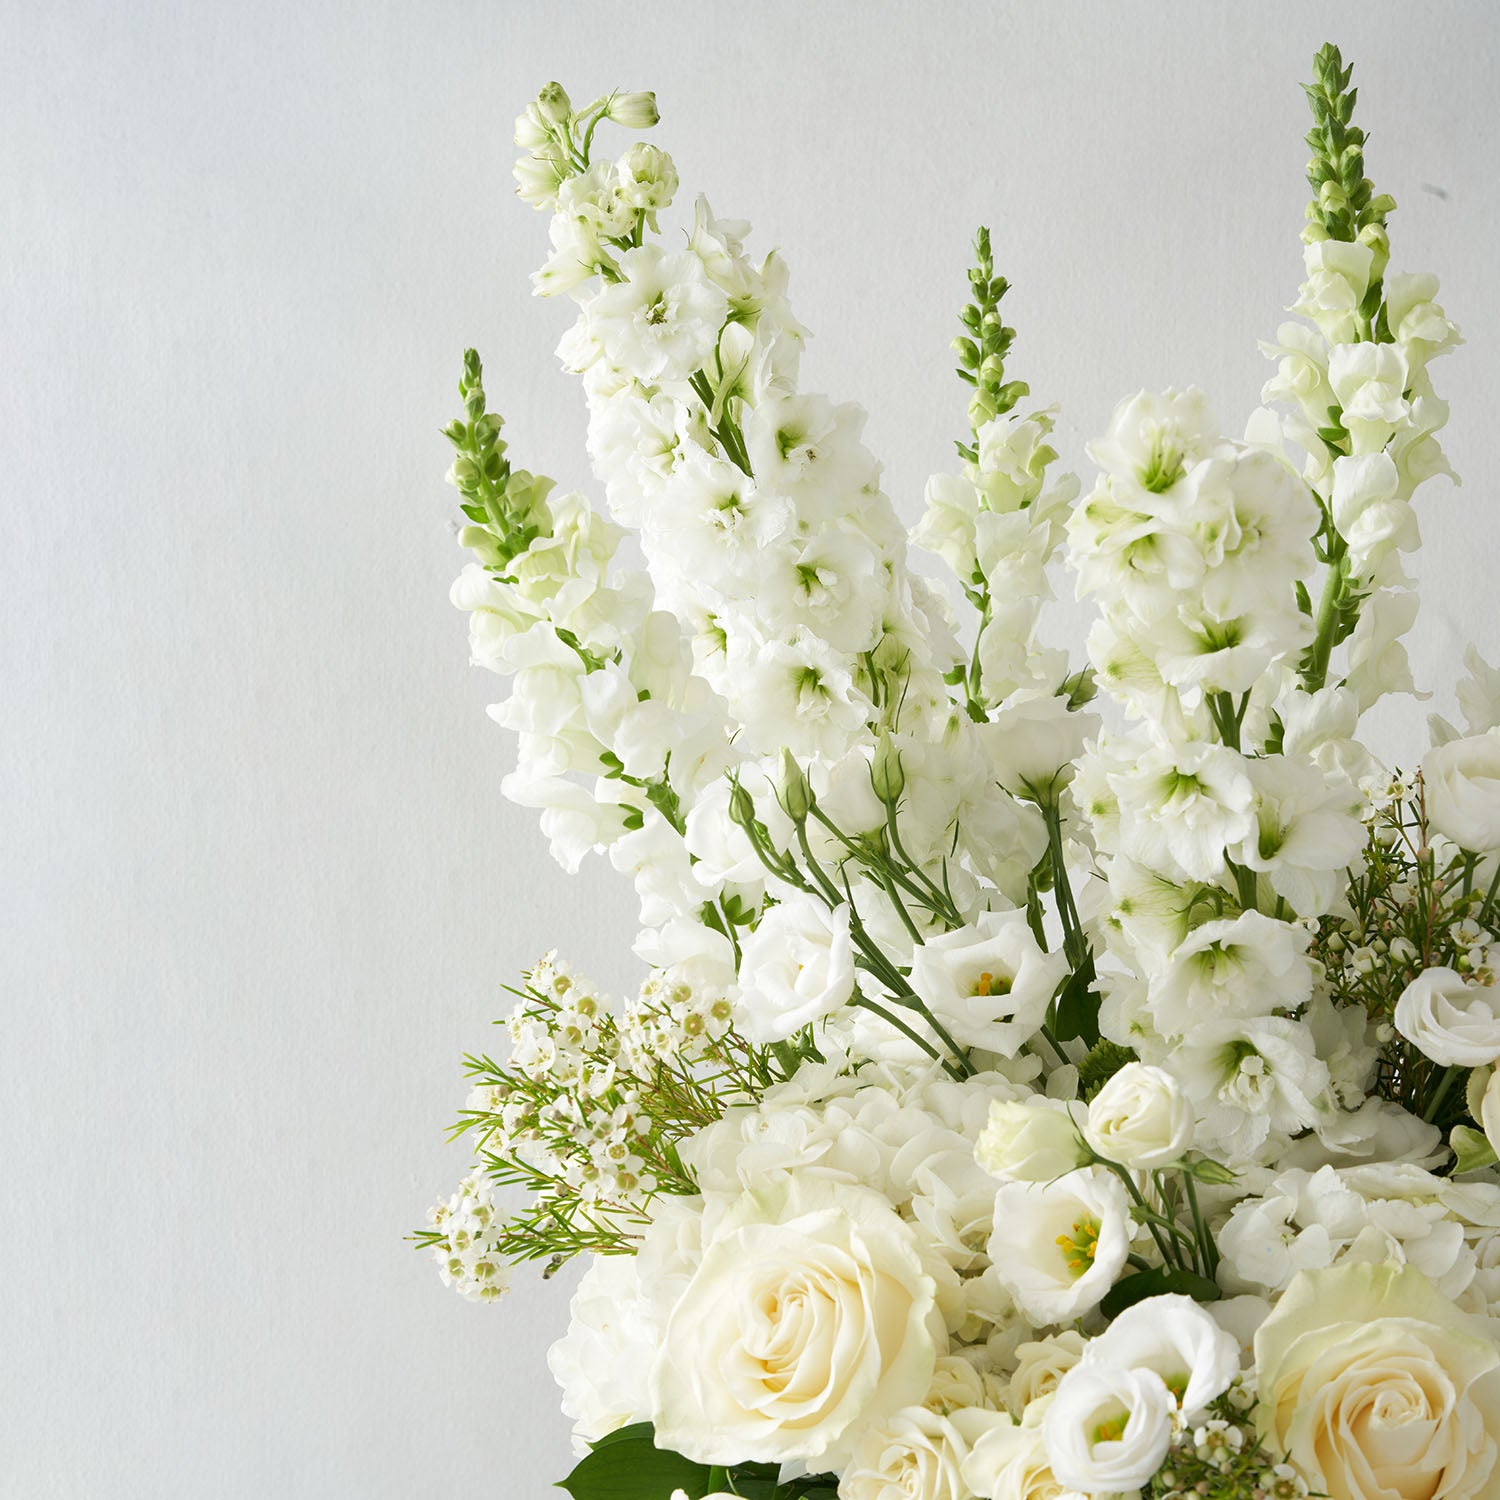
(741, 807)
(794, 794)
(553, 104)
(887, 775)
(1380, 243)
(635, 111)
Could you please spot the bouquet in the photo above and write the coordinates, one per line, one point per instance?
(1053, 1073)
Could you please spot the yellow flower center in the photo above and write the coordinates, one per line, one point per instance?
(991, 984)
(1079, 1246)
(1113, 1430)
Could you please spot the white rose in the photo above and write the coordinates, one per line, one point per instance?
(913, 1455)
(1107, 1430)
(989, 983)
(795, 968)
(1378, 1388)
(1177, 1340)
(1449, 1019)
(1140, 1118)
(1040, 1364)
(1033, 1141)
(1462, 779)
(809, 1316)
(1484, 1104)
(1058, 1246)
(1007, 1462)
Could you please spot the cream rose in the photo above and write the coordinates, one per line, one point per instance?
(1008, 1462)
(810, 1316)
(1450, 1019)
(1140, 1118)
(913, 1455)
(1379, 1388)
(1462, 780)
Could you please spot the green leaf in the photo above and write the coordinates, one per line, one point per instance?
(627, 1465)
(1078, 1006)
(1155, 1283)
(1472, 1148)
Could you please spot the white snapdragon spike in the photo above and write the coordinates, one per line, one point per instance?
(1108, 1429)
(989, 983)
(1059, 1245)
(1177, 1340)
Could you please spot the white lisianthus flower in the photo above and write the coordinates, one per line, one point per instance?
(1378, 1388)
(809, 1316)
(1450, 1019)
(796, 967)
(1140, 1119)
(1029, 1141)
(1058, 1246)
(1034, 740)
(914, 1454)
(1176, 1339)
(989, 983)
(662, 320)
(1108, 1429)
(1462, 779)
(1243, 966)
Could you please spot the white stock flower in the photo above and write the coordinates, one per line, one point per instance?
(989, 983)
(1183, 805)
(1450, 1019)
(1058, 1246)
(914, 1454)
(1378, 1388)
(660, 322)
(809, 1316)
(1108, 1429)
(1153, 439)
(1462, 781)
(1234, 967)
(796, 967)
(1140, 1119)
(1032, 1140)
(1177, 1340)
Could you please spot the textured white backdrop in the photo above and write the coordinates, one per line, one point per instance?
(259, 886)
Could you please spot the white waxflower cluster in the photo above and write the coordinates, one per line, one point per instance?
(1024, 1099)
(466, 1245)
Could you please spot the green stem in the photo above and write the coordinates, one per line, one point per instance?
(1330, 608)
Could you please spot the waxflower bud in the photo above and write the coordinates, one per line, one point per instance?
(887, 775)
(635, 111)
(794, 794)
(554, 105)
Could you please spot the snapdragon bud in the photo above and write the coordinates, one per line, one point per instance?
(635, 111)
(1379, 241)
(887, 775)
(553, 104)
(794, 794)
(532, 132)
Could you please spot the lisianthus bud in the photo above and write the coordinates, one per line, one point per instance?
(794, 794)
(741, 807)
(886, 773)
(635, 111)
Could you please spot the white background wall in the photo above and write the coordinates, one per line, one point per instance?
(259, 886)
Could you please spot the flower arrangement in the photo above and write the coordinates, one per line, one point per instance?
(1051, 1075)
